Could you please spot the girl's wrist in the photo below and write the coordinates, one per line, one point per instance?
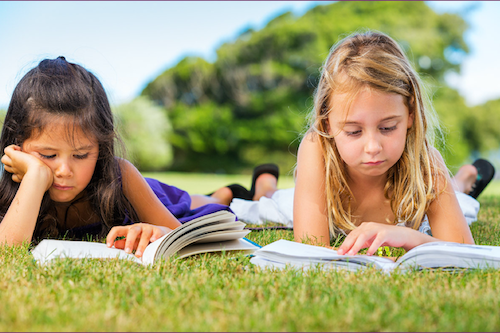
(41, 175)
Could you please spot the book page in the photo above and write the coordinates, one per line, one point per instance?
(232, 245)
(221, 220)
(215, 236)
(50, 249)
(304, 255)
(221, 217)
(449, 254)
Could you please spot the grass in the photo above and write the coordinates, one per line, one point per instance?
(227, 293)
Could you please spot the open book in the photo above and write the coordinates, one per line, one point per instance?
(444, 255)
(214, 232)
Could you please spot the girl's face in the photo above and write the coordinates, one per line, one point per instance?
(71, 161)
(371, 137)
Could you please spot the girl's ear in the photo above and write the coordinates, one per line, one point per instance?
(411, 112)
(411, 118)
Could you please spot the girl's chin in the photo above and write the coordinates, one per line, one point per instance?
(61, 198)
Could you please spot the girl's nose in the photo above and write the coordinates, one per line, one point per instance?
(373, 145)
(63, 170)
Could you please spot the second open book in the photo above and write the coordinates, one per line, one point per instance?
(214, 232)
(447, 255)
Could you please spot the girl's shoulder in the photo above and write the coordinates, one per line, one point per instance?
(310, 155)
(311, 142)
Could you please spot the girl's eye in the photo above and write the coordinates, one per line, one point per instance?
(82, 157)
(47, 156)
(388, 129)
(353, 133)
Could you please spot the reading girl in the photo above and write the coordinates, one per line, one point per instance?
(61, 177)
(366, 167)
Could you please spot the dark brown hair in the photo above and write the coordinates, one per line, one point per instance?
(57, 87)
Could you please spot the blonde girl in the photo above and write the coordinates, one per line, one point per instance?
(367, 167)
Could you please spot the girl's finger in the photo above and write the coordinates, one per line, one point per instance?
(114, 233)
(120, 244)
(158, 233)
(144, 241)
(348, 242)
(6, 160)
(361, 242)
(134, 232)
(17, 178)
(377, 242)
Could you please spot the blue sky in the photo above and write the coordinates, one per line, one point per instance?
(127, 44)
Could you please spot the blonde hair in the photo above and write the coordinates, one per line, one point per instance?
(374, 60)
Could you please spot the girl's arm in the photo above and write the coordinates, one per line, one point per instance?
(36, 178)
(446, 218)
(310, 221)
(148, 207)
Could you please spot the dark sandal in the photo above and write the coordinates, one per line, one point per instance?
(485, 173)
(270, 168)
(239, 192)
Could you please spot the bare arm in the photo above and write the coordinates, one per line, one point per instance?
(36, 178)
(309, 209)
(158, 219)
(145, 202)
(446, 219)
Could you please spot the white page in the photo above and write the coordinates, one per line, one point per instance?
(50, 249)
(298, 254)
(232, 245)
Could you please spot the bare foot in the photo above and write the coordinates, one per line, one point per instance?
(465, 178)
(265, 186)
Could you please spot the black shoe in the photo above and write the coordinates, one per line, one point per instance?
(485, 173)
(239, 192)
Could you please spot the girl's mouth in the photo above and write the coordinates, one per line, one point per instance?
(62, 187)
(374, 163)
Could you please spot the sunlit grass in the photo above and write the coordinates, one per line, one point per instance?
(227, 293)
(200, 183)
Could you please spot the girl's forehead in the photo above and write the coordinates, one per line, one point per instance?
(366, 102)
(64, 129)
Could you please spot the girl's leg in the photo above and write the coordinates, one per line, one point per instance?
(265, 186)
(222, 196)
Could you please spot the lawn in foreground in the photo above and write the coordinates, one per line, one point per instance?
(227, 293)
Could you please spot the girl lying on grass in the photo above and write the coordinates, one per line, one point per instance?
(367, 168)
(61, 177)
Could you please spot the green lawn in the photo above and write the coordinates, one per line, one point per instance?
(227, 293)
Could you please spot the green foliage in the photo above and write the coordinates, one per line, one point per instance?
(2, 115)
(253, 100)
(144, 127)
(453, 113)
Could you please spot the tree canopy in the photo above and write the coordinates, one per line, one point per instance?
(250, 105)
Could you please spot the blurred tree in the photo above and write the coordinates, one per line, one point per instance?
(250, 105)
(2, 115)
(144, 129)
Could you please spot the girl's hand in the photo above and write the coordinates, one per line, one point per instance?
(374, 235)
(137, 236)
(18, 163)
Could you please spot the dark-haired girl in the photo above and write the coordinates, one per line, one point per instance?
(61, 177)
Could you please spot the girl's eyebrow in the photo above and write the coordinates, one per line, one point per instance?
(385, 119)
(41, 147)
